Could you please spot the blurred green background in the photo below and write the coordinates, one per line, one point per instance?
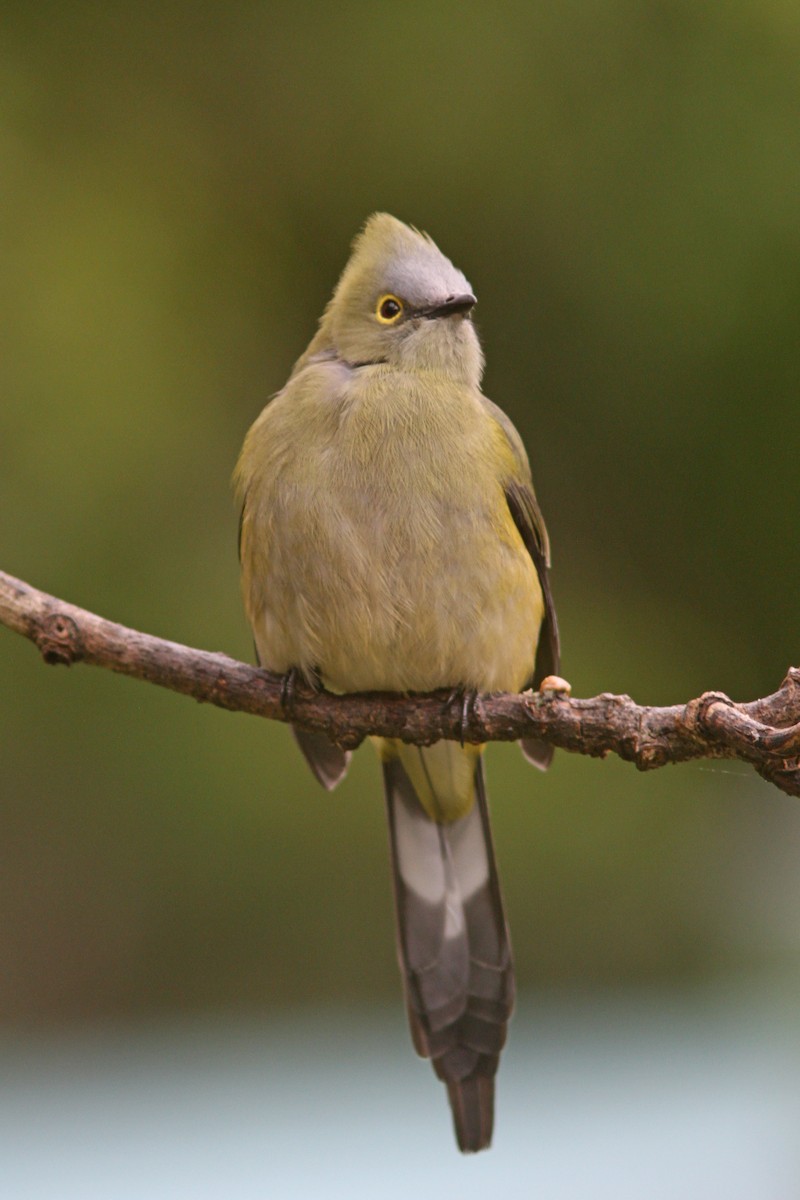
(179, 186)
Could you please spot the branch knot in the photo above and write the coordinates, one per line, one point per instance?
(59, 640)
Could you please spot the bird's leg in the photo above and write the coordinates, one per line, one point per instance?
(467, 699)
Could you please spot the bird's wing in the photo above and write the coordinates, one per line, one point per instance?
(327, 761)
(527, 517)
(528, 520)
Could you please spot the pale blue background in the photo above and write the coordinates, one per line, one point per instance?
(645, 1096)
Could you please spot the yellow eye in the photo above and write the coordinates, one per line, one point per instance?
(388, 309)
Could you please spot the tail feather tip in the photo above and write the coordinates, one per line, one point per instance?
(472, 1104)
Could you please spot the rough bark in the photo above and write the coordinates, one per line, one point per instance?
(764, 733)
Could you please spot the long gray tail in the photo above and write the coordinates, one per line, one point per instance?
(453, 947)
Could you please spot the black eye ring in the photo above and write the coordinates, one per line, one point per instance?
(389, 309)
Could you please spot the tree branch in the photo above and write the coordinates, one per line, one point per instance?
(764, 733)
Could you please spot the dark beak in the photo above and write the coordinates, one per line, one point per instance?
(453, 304)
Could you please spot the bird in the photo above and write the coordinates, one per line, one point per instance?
(391, 540)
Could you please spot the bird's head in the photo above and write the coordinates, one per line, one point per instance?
(400, 301)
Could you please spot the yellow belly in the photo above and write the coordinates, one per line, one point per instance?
(371, 612)
(379, 548)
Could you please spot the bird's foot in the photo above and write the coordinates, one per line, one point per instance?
(289, 690)
(467, 699)
(289, 683)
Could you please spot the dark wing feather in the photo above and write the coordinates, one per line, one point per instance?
(327, 761)
(528, 519)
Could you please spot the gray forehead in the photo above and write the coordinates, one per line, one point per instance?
(423, 275)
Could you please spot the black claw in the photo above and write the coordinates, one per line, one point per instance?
(289, 683)
(467, 698)
(467, 710)
(289, 690)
